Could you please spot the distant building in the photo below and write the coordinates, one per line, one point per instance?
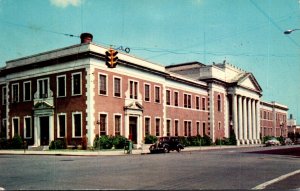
(292, 125)
(71, 93)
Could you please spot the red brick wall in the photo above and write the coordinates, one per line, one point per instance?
(219, 116)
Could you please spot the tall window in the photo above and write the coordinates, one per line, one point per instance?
(43, 88)
(27, 91)
(103, 84)
(187, 100)
(147, 92)
(176, 96)
(157, 126)
(198, 127)
(133, 89)
(15, 123)
(219, 103)
(103, 124)
(203, 103)
(61, 121)
(4, 95)
(187, 128)
(77, 125)
(157, 94)
(15, 93)
(168, 127)
(117, 125)
(147, 126)
(168, 97)
(203, 129)
(27, 127)
(197, 102)
(61, 86)
(76, 84)
(117, 87)
(176, 127)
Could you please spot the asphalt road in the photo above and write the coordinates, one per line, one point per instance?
(215, 169)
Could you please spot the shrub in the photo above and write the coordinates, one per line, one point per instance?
(58, 144)
(4, 143)
(206, 141)
(17, 142)
(150, 139)
(280, 139)
(103, 142)
(118, 141)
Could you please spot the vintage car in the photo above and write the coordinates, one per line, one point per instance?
(166, 144)
(272, 142)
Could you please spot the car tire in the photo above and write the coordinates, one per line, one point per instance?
(178, 149)
(166, 150)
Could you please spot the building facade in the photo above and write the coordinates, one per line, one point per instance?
(71, 93)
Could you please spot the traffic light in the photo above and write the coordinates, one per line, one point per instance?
(111, 58)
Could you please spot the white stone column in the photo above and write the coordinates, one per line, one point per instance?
(36, 131)
(240, 108)
(234, 117)
(258, 121)
(254, 130)
(245, 119)
(250, 121)
(51, 128)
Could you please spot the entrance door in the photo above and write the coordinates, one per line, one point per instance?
(133, 129)
(44, 126)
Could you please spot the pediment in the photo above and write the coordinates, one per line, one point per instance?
(42, 105)
(134, 106)
(248, 81)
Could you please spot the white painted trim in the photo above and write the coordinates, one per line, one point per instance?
(73, 74)
(73, 124)
(170, 97)
(114, 123)
(106, 124)
(159, 134)
(178, 130)
(13, 127)
(149, 117)
(25, 127)
(198, 123)
(149, 91)
(65, 85)
(14, 100)
(134, 90)
(199, 102)
(99, 83)
(37, 93)
(30, 92)
(170, 129)
(178, 105)
(121, 86)
(58, 125)
(159, 91)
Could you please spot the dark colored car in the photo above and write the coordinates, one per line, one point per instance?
(166, 144)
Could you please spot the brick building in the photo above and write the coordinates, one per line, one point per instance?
(71, 93)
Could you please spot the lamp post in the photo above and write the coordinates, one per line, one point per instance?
(290, 31)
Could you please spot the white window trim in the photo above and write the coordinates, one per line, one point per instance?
(148, 117)
(73, 125)
(106, 125)
(158, 94)
(38, 87)
(159, 134)
(187, 129)
(178, 130)
(169, 97)
(99, 82)
(12, 93)
(65, 84)
(25, 127)
(13, 128)
(169, 119)
(138, 84)
(198, 122)
(73, 74)
(177, 98)
(25, 91)
(149, 92)
(188, 94)
(58, 126)
(199, 102)
(121, 124)
(221, 102)
(203, 98)
(120, 78)
(4, 96)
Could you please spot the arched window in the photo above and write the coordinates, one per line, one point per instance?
(219, 103)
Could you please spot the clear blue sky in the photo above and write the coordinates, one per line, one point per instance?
(246, 33)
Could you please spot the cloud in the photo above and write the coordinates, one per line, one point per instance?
(65, 3)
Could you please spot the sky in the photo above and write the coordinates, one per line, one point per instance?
(245, 33)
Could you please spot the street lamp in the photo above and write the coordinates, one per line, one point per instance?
(290, 31)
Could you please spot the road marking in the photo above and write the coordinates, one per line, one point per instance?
(264, 185)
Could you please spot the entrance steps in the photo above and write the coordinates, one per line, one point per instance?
(38, 148)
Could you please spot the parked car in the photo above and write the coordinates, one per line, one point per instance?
(297, 141)
(272, 142)
(288, 141)
(166, 144)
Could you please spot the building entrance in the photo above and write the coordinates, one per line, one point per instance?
(133, 129)
(44, 126)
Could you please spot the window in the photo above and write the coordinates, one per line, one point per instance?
(176, 126)
(168, 127)
(176, 96)
(102, 84)
(16, 129)
(77, 125)
(147, 92)
(76, 84)
(168, 98)
(27, 127)
(219, 126)
(187, 100)
(157, 126)
(27, 91)
(15, 93)
(3, 95)
(147, 125)
(197, 102)
(117, 87)
(133, 89)
(157, 94)
(43, 86)
(203, 104)
(187, 128)
(198, 127)
(61, 86)
(219, 103)
(61, 123)
(203, 129)
(102, 124)
(117, 125)
(3, 128)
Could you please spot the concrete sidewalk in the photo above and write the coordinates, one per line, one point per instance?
(143, 150)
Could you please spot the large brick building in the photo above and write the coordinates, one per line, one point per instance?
(71, 93)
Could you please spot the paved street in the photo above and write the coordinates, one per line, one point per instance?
(210, 169)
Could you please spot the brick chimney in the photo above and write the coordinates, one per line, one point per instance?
(86, 37)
